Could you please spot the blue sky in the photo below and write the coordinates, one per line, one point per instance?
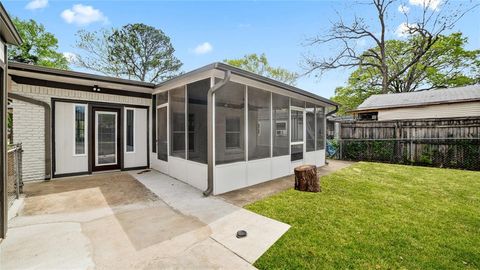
(205, 32)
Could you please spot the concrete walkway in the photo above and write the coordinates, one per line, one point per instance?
(112, 221)
(258, 192)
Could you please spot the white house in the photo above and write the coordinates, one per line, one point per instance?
(217, 128)
(437, 103)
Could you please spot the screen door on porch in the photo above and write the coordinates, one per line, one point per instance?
(106, 138)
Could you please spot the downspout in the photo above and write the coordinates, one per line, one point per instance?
(332, 112)
(47, 115)
(210, 126)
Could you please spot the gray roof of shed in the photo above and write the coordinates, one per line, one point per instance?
(419, 98)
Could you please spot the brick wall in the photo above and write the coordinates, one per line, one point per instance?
(29, 120)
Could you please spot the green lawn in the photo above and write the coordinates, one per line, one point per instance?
(380, 216)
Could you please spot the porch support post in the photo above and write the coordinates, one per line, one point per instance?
(210, 127)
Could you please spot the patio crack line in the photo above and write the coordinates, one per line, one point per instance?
(231, 250)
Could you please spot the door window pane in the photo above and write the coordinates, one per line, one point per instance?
(310, 127)
(320, 128)
(297, 152)
(229, 123)
(80, 129)
(258, 123)
(280, 106)
(297, 126)
(106, 138)
(130, 130)
(177, 120)
(162, 142)
(197, 120)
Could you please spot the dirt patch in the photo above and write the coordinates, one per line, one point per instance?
(84, 193)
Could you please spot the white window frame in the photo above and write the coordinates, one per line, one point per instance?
(299, 109)
(126, 130)
(75, 105)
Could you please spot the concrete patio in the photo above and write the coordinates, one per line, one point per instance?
(132, 221)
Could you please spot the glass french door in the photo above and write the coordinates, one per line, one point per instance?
(297, 139)
(106, 139)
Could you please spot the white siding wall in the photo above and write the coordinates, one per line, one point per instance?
(237, 175)
(28, 121)
(138, 157)
(466, 109)
(65, 158)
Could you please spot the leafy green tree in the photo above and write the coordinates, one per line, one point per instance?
(447, 64)
(134, 51)
(424, 27)
(259, 64)
(39, 47)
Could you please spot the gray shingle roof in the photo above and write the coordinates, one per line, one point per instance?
(447, 95)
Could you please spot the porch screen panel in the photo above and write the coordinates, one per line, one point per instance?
(177, 122)
(80, 129)
(259, 126)
(162, 142)
(197, 120)
(297, 126)
(281, 128)
(320, 128)
(230, 123)
(310, 128)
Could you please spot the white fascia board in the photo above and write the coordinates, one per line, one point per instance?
(78, 81)
(184, 81)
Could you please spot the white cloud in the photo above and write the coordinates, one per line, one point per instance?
(71, 57)
(403, 9)
(431, 4)
(403, 29)
(203, 48)
(36, 4)
(83, 15)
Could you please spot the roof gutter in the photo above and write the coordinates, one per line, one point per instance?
(334, 111)
(210, 127)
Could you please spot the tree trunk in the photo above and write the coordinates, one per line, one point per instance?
(306, 178)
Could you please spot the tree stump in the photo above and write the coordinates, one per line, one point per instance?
(306, 178)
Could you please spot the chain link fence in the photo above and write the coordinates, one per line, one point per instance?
(14, 179)
(459, 153)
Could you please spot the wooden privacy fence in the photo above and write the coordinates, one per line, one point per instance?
(452, 143)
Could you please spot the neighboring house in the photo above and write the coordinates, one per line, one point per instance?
(8, 35)
(217, 128)
(438, 103)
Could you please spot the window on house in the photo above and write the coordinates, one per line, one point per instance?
(310, 127)
(130, 128)
(177, 120)
(80, 129)
(259, 123)
(230, 123)
(280, 105)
